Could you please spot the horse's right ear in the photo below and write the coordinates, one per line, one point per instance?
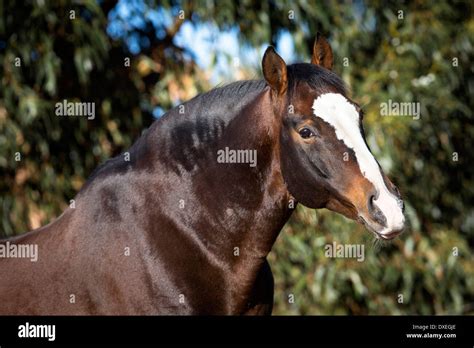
(274, 71)
(322, 52)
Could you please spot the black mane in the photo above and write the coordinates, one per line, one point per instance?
(239, 92)
(243, 92)
(185, 136)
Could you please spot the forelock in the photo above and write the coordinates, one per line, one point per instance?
(319, 79)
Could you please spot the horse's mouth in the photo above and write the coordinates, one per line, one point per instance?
(378, 235)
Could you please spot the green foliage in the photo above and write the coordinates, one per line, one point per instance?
(424, 270)
(422, 54)
(57, 51)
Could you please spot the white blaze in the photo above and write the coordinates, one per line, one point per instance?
(336, 110)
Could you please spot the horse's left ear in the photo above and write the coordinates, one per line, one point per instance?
(322, 52)
(274, 71)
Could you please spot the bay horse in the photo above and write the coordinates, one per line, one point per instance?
(167, 228)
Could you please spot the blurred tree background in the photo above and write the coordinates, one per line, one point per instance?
(132, 60)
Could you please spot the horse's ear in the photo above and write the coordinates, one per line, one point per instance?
(322, 52)
(274, 71)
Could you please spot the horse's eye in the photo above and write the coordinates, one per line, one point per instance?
(306, 133)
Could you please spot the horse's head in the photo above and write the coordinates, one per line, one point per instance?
(325, 159)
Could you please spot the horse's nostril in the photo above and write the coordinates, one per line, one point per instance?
(397, 191)
(374, 211)
(401, 204)
(371, 202)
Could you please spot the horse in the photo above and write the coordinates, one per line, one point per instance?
(182, 222)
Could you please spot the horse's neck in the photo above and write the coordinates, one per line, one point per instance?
(237, 209)
(232, 210)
